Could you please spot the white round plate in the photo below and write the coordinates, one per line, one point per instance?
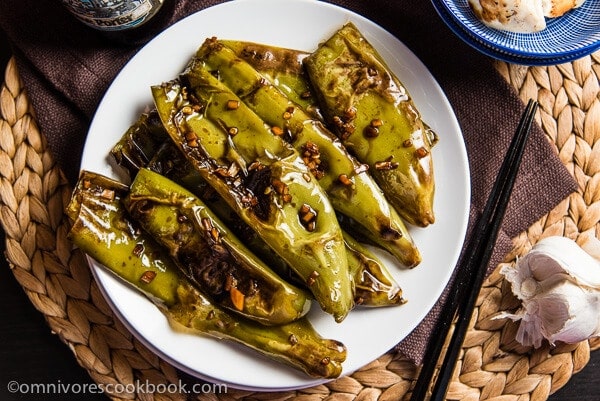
(367, 334)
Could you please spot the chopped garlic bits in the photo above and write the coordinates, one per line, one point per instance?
(558, 284)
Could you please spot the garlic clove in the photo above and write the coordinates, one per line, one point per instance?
(552, 260)
(564, 254)
(559, 286)
(568, 313)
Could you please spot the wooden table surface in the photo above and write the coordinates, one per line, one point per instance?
(30, 354)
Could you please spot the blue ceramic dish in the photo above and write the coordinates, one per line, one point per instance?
(574, 35)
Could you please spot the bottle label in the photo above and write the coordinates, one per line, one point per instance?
(113, 14)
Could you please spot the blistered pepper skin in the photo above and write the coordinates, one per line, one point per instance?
(375, 117)
(138, 144)
(283, 68)
(264, 180)
(374, 286)
(296, 343)
(209, 254)
(96, 207)
(349, 186)
(102, 229)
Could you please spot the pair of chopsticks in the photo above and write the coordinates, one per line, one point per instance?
(471, 272)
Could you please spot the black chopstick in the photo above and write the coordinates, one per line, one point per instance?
(471, 271)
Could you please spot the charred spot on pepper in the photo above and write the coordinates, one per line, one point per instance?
(256, 182)
(249, 200)
(250, 189)
(230, 282)
(186, 98)
(210, 273)
(218, 275)
(249, 53)
(142, 207)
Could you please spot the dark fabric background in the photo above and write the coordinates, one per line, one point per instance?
(66, 68)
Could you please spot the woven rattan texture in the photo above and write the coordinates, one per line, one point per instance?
(57, 280)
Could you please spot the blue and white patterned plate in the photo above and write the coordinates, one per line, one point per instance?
(574, 35)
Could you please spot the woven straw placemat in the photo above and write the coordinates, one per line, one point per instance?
(57, 280)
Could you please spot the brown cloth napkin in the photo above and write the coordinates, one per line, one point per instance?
(66, 68)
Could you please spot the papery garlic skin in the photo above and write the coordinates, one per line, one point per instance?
(559, 286)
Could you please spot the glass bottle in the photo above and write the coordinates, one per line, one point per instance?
(113, 15)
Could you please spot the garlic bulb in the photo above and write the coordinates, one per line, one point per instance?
(558, 284)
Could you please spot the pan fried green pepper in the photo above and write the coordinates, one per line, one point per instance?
(374, 285)
(102, 230)
(100, 222)
(282, 67)
(296, 343)
(209, 254)
(139, 143)
(264, 180)
(374, 116)
(350, 188)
